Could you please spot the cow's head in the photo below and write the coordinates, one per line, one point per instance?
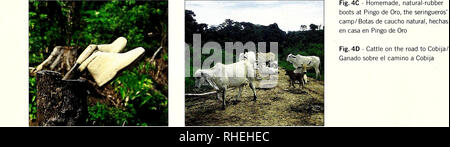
(274, 64)
(304, 68)
(200, 78)
(290, 58)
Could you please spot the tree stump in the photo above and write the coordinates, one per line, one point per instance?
(60, 102)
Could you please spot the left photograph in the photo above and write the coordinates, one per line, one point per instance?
(98, 63)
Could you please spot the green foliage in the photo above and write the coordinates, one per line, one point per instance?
(286, 65)
(101, 114)
(32, 101)
(98, 22)
(165, 57)
(42, 32)
(314, 50)
(189, 83)
(132, 85)
(118, 17)
(140, 99)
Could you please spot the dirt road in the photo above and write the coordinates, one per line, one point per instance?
(279, 106)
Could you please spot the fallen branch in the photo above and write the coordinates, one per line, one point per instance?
(154, 55)
(200, 94)
(61, 59)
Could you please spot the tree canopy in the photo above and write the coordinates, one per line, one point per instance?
(294, 42)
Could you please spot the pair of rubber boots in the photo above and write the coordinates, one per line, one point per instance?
(104, 61)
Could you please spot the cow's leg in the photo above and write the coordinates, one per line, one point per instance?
(303, 82)
(239, 94)
(218, 94)
(305, 78)
(223, 99)
(317, 72)
(254, 92)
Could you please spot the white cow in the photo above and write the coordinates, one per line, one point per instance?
(261, 58)
(221, 77)
(261, 62)
(309, 61)
(268, 70)
(266, 57)
(250, 57)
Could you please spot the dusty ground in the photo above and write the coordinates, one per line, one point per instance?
(279, 106)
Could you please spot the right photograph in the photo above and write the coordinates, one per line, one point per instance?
(254, 63)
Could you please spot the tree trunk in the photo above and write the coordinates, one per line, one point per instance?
(60, 102)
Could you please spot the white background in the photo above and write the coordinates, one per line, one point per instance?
(355, 94)
(14, 63)
(385, 94)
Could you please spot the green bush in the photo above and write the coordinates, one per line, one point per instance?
(140, 96)
(32, 101)
(189, 83)
(143, 104)
(101, 114)
(286, 65)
